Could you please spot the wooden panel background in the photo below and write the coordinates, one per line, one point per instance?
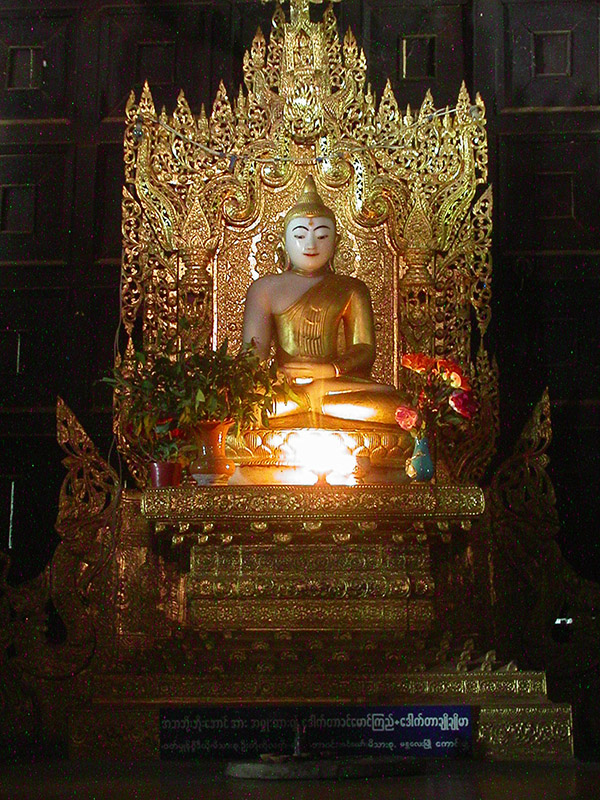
(66, 69)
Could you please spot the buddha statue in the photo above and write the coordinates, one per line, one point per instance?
(301, 311)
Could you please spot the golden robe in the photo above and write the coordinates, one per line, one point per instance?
(309, 330)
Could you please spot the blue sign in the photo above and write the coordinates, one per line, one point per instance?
(320, 731)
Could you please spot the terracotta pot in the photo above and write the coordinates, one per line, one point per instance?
(165, 473)
(211, 466)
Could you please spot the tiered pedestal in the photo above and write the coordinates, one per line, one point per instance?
(284, 594)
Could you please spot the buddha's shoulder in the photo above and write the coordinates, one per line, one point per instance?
(349, 283)
(266, 283)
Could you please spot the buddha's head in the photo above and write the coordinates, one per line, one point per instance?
(310, 231)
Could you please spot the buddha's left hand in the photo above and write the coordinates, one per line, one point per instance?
(308, 370)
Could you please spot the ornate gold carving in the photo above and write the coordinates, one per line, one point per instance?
(364, 614)
(525, 689)
(544, 732)
(317, 586)
(205, 198)
(533, 583)
(42, 679)
(312, 502)
(363, 610)
(89, 491)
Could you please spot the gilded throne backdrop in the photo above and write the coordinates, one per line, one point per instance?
(67, 73)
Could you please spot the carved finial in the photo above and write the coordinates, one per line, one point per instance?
(299, 10)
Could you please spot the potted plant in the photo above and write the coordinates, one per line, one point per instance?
(150, 391)
(442, 396)
(180, 405)
(225, 392)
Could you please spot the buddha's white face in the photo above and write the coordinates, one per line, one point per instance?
(310, 242)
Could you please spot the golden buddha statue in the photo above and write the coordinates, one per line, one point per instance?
(302, 310)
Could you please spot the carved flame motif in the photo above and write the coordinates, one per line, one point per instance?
(206, 194)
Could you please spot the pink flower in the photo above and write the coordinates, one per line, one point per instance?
(463, 403)
(406, 417)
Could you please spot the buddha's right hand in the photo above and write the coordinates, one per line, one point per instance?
(304, 371)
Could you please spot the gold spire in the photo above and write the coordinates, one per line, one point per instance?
(308, 204)
(299, 11)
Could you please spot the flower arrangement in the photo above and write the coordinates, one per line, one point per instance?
(443, 395)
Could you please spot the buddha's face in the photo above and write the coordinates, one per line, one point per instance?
(310, 242)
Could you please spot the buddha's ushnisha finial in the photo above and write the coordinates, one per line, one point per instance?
(308, 204)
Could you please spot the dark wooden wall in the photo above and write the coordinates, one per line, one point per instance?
(66, 68)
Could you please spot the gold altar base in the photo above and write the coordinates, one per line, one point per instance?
(228, 505)
(259, 564)
(295, 558)
(295, 595)
(512, 718)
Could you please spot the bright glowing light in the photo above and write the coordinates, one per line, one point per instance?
(349, 411)
(274, 439)
(326, 454)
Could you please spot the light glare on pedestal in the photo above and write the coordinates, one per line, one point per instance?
(325, 454)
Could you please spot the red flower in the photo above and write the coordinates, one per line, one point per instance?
(451, 372)
(406, 417)
(418, 362)
(463, 403)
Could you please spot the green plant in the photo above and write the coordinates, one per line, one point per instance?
(165, 397)
(150, 392)
(220, 386)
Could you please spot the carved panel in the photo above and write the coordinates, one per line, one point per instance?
(156, 62)
(296, 504)
(525, 732)
(24, 67)
(524, 687)
(548, 185)
(37, 59)
(35, 197)
(419, 46)
(174, 47)
(129, 38)
(326, 615)
(553, 195)
(418, 56)
(551, 54)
